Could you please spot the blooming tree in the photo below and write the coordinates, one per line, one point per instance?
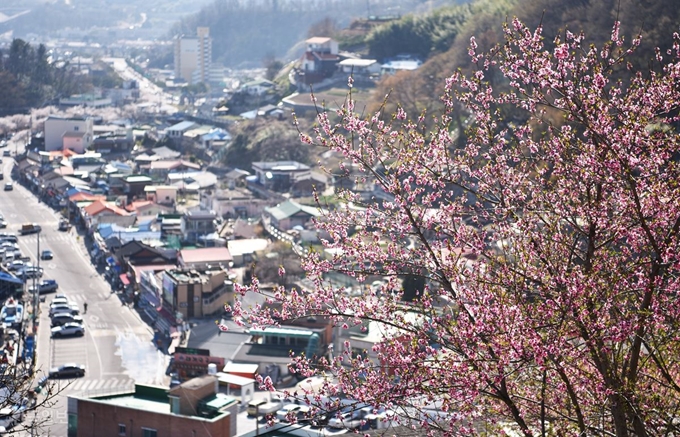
(548, 245)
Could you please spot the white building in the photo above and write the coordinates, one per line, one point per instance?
(75, 133)
(359, 66)
(193, 56)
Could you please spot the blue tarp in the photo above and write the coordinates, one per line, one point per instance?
(9, 278)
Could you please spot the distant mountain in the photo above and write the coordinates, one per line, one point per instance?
(101, 21)
(246, 32)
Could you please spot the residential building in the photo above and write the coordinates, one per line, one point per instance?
(400, 63)
(65, 133)
(196, 225)
(289, 214)
(134, 185)
(258, 87)
(176, 131)
(161, 194)
(280, 175)
(136, 253)
(197, 294)
(86, 100)
(147, 208)
(195, 408)
(243, 251)
(215, 139)
(316, 183)
(93, 213)
(321, 55)
(236, 202)
(205, 258)
(159, 169)
(359, 66)
(193, 56)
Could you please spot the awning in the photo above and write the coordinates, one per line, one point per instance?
(124, 279)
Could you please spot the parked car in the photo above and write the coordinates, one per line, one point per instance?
(60, 299)
(69, 308)
(287, 411)
(262, 407)
(68, 330)
(46, 254)
(9, 186)
(9, 244)
(44, 286)
(64, 318)
(8, 418)
(64, 225)
(7, 237)
(70, 370)
(350, 419)
(15, 265)
(3, 223)
(30, 272)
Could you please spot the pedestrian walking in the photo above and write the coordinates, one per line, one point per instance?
(85, 308)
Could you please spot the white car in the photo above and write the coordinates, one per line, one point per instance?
(283, 414)
(8, 418)
(69, 308)
(59, 301)
(68, 330)
(350, 419)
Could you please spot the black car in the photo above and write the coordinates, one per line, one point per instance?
(46, 254)
(64, 318)
(70, 370)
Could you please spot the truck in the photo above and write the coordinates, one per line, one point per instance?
(30, 228)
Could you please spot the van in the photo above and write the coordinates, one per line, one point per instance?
(254, 406)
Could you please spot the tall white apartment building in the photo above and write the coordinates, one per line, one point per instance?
(193, 56)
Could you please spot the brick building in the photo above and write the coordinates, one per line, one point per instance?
(194, 408)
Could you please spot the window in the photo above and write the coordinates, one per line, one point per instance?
(174, 404)
(148, 432)
(121, 429)
(76, 128)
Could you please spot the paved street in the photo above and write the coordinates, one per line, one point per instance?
(117, 348)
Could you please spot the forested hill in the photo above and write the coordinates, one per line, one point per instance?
(655, 20)
(29, 80)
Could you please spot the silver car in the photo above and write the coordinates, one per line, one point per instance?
(68, 330)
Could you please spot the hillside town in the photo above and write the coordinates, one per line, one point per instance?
(169, 229)
(303, 218)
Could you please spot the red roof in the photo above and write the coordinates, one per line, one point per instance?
(99, 206)
(134, 206)
(81, 196)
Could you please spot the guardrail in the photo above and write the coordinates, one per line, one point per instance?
(285, 237)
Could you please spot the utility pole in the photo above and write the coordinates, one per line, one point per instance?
(36, 303)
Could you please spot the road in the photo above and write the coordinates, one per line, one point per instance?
(117, 348)
(150, 93)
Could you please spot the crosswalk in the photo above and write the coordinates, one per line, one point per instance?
(91, 386)
(46, 238)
